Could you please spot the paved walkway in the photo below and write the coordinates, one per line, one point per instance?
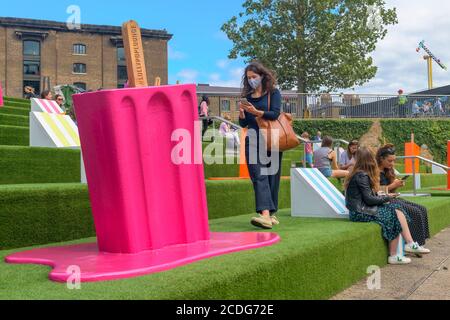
(426, 278)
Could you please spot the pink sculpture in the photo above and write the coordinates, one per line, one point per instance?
(1, 96)
(150, 211)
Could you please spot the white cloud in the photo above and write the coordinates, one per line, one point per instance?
(223, 63)
(188, 76)
(233, 78)
(399, 65)
(175, 55)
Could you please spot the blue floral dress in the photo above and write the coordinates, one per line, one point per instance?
(386, 217)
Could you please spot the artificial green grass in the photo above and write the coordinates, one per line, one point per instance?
(18, 104)
(14, 135)
(316, 259)
(26, 206)
(39, 165)
(39, 214)
(14, 120)
(12, 99)
(14, 110)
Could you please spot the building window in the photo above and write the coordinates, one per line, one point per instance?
(32, 64)
(31, 68)
(31, 48)
(80, 85)
(121, 54)
(225, 106)
(79, 49)
(79, 68)
(122, 75)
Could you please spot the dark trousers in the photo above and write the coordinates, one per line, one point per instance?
(266, 187)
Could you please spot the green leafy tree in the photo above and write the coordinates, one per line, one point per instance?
(312, 44)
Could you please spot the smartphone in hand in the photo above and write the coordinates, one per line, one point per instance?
(406, 178)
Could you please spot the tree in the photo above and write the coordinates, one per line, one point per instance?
(311, 44)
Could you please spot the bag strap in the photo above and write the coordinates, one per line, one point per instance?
(268, 98)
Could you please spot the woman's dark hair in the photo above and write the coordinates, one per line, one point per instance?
(327, 142)
(351, 144)
(58, 96)
(205, 99)
(45, 93)
(268, 79)
(383, 153)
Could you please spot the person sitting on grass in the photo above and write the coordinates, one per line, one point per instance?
(347, 159)
(325, 160)
(386, 157)
(367, 204)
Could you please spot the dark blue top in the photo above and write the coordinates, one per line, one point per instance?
(262, 105)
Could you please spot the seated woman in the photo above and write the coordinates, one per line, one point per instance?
(325, 160)
(348, 160)
(419, 214)
(365, 205)
(47, 95)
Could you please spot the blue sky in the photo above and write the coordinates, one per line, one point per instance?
(198, 51)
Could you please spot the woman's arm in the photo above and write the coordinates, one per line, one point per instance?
(332, 157)
(243, 122)
(369, 198)
(275, 106)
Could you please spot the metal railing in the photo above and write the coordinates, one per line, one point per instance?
(337, 106)
(414, 159)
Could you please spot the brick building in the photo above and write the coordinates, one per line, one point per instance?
(36, 52)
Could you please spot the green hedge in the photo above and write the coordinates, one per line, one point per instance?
(433, 132)
(24, 165)
(339, 129)
(14, 136)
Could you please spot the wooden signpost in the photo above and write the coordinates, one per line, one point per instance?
(134, 54)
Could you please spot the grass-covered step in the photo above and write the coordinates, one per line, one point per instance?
(15, 110)
(25, 165)
(316, 259)
(34, 204)
(39, 214)
(12, 99)
(14, 135)
(14, 120)
(16, 104)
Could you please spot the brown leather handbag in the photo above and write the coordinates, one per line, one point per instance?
(279, 134)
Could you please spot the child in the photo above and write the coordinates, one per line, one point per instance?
(308, 150)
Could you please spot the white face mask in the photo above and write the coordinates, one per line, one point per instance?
(255, 83)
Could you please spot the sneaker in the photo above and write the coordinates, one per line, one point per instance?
(275, 221)
(399, 260)
(262, 222)
(415, 248)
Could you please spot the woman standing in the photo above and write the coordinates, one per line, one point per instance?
(366, 205)
(419, 214)
(259, 88)
(204, 112)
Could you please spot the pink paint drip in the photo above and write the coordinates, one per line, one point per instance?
(1, 96)
(150, 213)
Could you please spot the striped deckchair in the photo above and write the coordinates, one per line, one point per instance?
(47, 106)
(313, 195)
(53, 130)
